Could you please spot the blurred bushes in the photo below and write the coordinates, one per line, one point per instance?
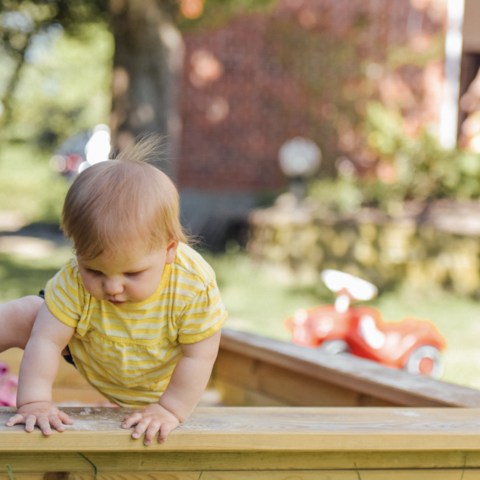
(407, 168)
(64, 87)
(412, 218)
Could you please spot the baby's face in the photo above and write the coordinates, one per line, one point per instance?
(121, 278)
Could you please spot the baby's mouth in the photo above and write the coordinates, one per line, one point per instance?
(115, 302)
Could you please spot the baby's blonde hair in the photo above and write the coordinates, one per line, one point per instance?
(117, 204)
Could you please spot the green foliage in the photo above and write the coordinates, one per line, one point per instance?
(401, 55)
(24, 25)
(340, 195)
(384, 130)
(28, 185)
(421, 170)
(65, 85)
(39, 14)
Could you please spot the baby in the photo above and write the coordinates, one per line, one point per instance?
(137, 310)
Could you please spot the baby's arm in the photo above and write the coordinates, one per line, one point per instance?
(37, 374)
(184, 391)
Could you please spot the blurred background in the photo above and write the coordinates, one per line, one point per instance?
(302, 135)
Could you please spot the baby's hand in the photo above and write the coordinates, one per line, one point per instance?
(43, 414)
(152, 420)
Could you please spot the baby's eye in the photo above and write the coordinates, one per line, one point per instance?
(133, 274)
(95, 273)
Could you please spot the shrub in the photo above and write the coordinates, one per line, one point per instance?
(419, 169)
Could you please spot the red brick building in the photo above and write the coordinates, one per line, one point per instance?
(304, 68)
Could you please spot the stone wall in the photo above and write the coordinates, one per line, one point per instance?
(424, 246)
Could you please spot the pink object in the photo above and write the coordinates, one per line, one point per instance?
(8, 387)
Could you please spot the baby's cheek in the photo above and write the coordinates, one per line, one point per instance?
(142, 291)
(91, 286)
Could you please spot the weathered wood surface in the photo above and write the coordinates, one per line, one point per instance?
(233, 443)
(297, 429)
(255, 370)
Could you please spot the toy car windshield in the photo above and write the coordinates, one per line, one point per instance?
(357, 288)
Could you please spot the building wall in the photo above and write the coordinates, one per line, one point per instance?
(261, 79)
(305, 68)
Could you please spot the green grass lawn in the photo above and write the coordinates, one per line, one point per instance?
(22, 275)
(28, 185)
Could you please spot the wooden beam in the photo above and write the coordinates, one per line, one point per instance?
(252, 369)
(255, 370)
(232, 443)
(287, 429)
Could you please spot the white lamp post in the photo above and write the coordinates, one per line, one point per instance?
(299, 159)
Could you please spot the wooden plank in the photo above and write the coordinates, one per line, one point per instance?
(157, 461)
(126, 475)
(243, 380)
(256, 475)
(243, 356)
(283, 475)
(301, 429)
(28, 462)
(233, 394)
(346, 475)
(416, 475)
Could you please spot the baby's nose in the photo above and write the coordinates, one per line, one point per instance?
(112, 286)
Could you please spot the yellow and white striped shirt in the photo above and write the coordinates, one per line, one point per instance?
(129, 352)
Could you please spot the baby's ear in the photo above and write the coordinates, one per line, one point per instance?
(171, 251)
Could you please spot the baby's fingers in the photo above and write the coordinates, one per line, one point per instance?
(15, 420)
(141, 427)
(151, 432)
(30, 421)
(43, 422)
(57, 422)
(131, 420)
(165, 429)
(64, 418)
(151, 429)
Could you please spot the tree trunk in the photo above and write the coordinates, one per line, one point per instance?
(147, 66)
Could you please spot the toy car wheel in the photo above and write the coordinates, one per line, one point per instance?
(425, 360)
(334, 347)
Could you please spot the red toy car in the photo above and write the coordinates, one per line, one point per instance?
(410, 344)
